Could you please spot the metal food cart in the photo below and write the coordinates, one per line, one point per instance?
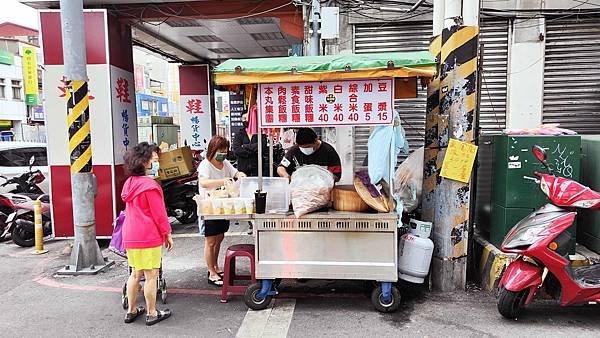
(333, 244)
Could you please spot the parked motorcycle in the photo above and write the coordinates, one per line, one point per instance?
(21, 223)
(541, 242)
(179, 194)
(17, 207)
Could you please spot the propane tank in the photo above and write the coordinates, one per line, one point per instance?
(415, 252)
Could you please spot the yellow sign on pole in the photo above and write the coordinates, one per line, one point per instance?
(30, 75)
(458, 162)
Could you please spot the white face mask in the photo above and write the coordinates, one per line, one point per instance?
(307, 151)
(154, 169)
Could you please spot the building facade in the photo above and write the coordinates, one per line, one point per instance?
(21, 110)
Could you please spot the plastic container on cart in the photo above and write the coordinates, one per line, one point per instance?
(228, 206)
(277, 189)
(240, 206)
(217, 205)
(249, 205)
(206, 207)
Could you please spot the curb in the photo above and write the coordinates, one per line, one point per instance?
(492, 263)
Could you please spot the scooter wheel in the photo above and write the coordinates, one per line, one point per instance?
(252, 300)
(22, 237)
(510, 303)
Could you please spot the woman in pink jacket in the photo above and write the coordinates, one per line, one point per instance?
(145, 230)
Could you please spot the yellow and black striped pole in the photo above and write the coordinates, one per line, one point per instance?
(430, 174)
(446, 201)
(86, 257)
(80, 137)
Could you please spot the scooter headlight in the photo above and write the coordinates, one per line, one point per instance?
(523, 236)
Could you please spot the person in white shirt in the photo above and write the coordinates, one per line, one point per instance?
(213, 172)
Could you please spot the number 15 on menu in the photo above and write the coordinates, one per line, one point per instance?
(327, 103)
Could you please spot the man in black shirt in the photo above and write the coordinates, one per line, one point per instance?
(310, 150)
(245, 148)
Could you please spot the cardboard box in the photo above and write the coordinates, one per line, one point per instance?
(176, 163)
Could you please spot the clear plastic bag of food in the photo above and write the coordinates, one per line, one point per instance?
(408, 180)
(311, 187)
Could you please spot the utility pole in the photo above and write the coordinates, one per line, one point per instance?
(451, 114)
(315, 16)
(86, 257)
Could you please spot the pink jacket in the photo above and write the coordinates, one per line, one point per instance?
(146, 223)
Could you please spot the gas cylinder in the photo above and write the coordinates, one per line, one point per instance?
(414, 252)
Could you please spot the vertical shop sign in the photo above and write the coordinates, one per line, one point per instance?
(123, 110)
(236, 110)
(30, 76)
(195, 106)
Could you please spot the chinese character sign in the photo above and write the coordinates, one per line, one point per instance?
(124, 115)
(122, 88)
(195, 120)
(354, 102)
(30, 75)
(458, 162)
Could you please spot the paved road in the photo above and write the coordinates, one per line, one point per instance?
(35, 303)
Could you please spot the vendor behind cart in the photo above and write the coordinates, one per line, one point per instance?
(310, 150)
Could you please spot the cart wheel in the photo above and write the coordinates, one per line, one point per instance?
(163, 291)
(124, 300)
(379, 303)
(251, 299)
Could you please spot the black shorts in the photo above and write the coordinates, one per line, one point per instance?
(215, 227)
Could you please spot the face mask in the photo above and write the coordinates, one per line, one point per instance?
(220, 157)
(154, 168)
(245, 124)
(307, 151)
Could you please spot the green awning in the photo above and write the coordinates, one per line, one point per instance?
(325, 67)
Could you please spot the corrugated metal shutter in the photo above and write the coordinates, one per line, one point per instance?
(572, 75)
(415, 36)
(394, 38)
(492, 111)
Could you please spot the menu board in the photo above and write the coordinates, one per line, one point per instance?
(328, 103)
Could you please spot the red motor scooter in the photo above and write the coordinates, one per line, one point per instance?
(541, 242)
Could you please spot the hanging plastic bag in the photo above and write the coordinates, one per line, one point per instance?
(311, 187)
(116, 240)
(408, 180)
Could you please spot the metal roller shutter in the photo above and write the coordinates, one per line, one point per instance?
(572, 75)
(415, 36)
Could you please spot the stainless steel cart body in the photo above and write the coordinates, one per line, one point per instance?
(327, 245)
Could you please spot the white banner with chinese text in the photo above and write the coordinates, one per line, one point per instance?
(328, 103)
(124, 114)
(195, 121)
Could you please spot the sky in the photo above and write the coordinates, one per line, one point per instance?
(18, 13)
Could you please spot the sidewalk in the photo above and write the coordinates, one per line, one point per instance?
(37, 303)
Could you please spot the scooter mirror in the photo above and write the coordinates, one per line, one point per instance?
(31, 160)
(539, 153)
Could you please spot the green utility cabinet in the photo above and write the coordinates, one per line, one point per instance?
(506, 187)
(588, 231)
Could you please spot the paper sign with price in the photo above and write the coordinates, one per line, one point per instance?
(458, 162)
(327, 103)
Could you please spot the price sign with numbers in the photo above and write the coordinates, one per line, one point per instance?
(327, 103)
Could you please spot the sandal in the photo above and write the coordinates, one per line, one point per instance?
(216, 282)
(160, 316)
(220, 274)
(131, 317)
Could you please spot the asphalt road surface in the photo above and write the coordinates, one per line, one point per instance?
(36, 303)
